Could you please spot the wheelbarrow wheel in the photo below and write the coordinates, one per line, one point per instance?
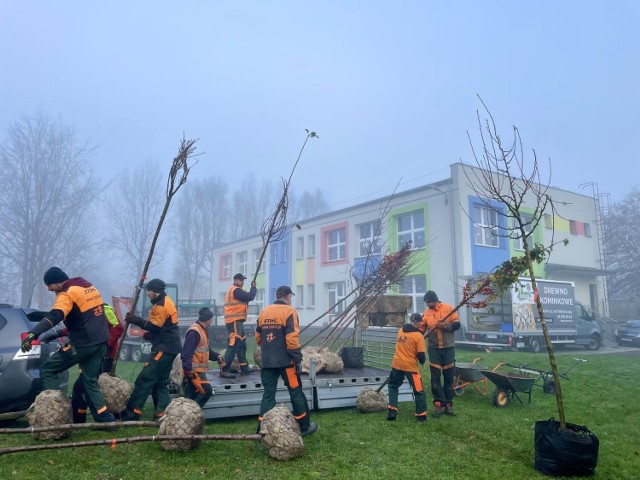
(458, 386)
(549, 386)
(501, 398)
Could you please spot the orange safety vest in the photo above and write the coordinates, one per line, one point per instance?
(200, 359)
(233, 309)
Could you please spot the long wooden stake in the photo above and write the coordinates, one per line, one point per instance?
(114, 441)
(79, 426)
(180, 166)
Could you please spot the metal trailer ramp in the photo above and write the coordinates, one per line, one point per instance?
(241, 397)
(335, 390)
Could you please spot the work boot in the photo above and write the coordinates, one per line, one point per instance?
(79, 416)
(448, 410)
(158, 417)
(224, 374)
(392, 414)
(313, 426)
(246, 370)
(129, 416)
(437, 412)
(258, 429)
(421, 418)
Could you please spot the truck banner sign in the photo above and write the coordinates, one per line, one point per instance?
(557, 300)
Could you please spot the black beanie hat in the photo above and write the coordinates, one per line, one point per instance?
(205, 314)
(416, 317)
(156, 285)
(430, 296)
(55, 275)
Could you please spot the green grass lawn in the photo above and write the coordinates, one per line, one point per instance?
(481, 442)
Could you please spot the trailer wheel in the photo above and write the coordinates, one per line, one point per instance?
(549, 386)
(136, 354)
(501, 398)
(535, 344)
(124, 352)
(458, 386)
(594, 343)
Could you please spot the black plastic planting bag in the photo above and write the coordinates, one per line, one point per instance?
(572, 452)
(352, 357)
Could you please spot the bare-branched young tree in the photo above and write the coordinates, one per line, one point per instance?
(622, 253)
(507, 182)
(132, 209)
(201, 224)
(49, 195)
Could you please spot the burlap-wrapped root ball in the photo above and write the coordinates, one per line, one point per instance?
(311, 352)
(51, 407)
(176, 375)
(371, 401)
(281, 434)
(332, 362)
(235, 366)
(116, 392)
(183, 417)
(257, 357)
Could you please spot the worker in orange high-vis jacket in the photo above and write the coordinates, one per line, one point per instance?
(439, 324)
(80, 305)
(195, 358)
(164, 336)
(277, 334)
(236, 307)
(410, 349)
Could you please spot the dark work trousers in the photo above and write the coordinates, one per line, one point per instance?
(80, 401)
(153, 380)
(191, 392)
(236, 345)
(90, 360)
(442, 362)
(269, 378)
(396, 378)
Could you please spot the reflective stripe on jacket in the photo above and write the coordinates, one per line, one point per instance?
(234, 310)
(200, 358)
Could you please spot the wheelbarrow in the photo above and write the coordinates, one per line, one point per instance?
(470, 374)
(508, 385)
(545, 377)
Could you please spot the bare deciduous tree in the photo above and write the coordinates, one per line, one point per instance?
(47, 204)
(132, 211)
(622, 254)
(201, 225)
(251, 204)
(506, 183)
(307, 205)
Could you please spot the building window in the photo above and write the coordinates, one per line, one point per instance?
(485, 226)
(369, 238)
(285, 252)
(587, 229)
(336, 292)
(225, 266)
(274, 253)
(311, 294)
(336, 244)
(241, 260)
(411, 229)
(415, 286)
(256, 258)
(311, 246)
(258, 301)
(519, 244)
(300, 296)
(299, 248)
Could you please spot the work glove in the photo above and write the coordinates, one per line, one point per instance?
(298, 366)
(253, 283)
(146, 336)
(187, 373)
(197, 383)
(26, 343)
(131, 318)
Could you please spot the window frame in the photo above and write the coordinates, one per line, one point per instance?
(481, 226)
(413, 231)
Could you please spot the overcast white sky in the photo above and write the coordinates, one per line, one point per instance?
(390, 87)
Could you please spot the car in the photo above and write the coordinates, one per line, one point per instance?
(20, 381)
(628, 334)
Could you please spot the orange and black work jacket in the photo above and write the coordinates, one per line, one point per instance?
(80, 306)
(162, 325)
(277, 334)
(441, 337)
(410, 349)
(196, 353)
(236, 303)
